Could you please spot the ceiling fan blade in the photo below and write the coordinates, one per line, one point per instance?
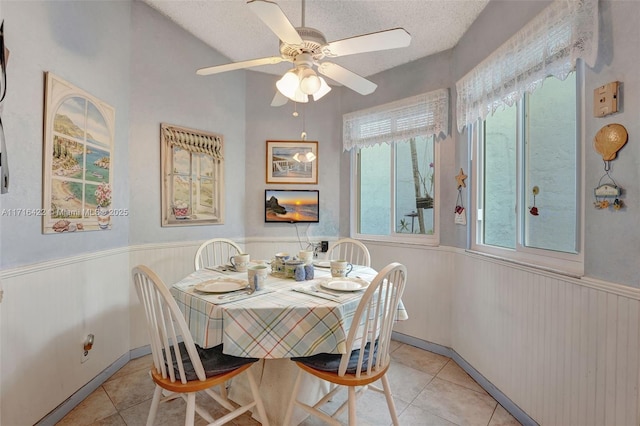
(271, 14)
(279, 99)
(240, 65)
(382, 40)
(347, 78)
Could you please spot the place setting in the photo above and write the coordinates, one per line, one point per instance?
(225, 289)
(339, 287)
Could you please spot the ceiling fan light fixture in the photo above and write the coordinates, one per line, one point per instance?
(309, 81)
(323, 90)
(288, 84)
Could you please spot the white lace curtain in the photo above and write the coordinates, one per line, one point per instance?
(549, 45)
(425, 114)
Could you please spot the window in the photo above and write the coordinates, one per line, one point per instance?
(396, 190)
(192, 181)
(528, 178)
(395, 167)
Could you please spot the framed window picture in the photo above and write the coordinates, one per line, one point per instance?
(292, 162)
(192, 176)
(78, 171)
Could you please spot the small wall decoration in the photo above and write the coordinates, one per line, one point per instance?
(460, 215)
(608, 141)
(192, 176)
(292, 162)
(78, 149)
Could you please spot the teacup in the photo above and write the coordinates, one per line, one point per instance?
(280, 259)
(290, 268)
(240, 262)
(256, 276)
(340, 268)
(306, 256)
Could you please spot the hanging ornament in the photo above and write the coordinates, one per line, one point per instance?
(609, 140)
(460, 178)
(534, 210)
(460, 215)
(608, 190)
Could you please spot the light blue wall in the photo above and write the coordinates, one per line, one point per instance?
(166, 89)
(322, 121)
(87, 44)
(140, 63)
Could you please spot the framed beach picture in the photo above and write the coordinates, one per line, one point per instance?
(292, 162)
(78, 149)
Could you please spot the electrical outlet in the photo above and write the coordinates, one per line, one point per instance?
(85, 356)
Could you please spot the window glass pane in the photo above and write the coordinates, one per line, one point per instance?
(500, 192)
(550, 161)
(375, 190)
(415, 182)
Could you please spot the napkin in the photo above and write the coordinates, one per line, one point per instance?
(220, 299)
(317, 291)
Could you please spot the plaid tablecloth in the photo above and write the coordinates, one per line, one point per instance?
(278, 324)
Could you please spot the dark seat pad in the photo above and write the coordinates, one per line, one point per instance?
(213, 361)
(331, 362)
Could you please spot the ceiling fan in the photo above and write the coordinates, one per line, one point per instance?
(306, 48)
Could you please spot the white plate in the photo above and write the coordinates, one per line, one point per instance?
(322, 263)
(221, 285)
(345, 284)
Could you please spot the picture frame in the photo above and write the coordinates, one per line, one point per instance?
(78, 169)
(192, 181)
(292, 162)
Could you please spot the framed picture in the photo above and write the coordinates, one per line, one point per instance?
(78, 171)
(292, 162)
(192, 176)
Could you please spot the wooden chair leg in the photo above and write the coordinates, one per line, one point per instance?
(390, 403)
(353, 420)
(292, 401)
(256, 397)
(157, 393)
(191, 409)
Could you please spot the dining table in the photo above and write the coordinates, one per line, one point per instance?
(284, 318)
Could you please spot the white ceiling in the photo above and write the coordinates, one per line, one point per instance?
(232, 29)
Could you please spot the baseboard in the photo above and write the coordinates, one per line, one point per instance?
(81, 394)
(502, 399)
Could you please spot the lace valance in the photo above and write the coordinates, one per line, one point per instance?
(425, 114)
(549, 45)
(194, 141)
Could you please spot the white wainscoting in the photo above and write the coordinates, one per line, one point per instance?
(47, 311)
(564, 350)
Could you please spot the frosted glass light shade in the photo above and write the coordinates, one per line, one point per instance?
(309, 81)
(323, 90)
(288, 84)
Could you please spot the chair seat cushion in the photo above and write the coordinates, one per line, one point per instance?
(213, 361)
(331, 362)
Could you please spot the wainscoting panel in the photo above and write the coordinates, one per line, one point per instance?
(171, 261)
(47, 311)
(564, 350)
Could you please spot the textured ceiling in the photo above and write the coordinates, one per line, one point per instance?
(233, 30)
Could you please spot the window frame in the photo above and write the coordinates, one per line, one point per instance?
(354, 213)
(562, 262)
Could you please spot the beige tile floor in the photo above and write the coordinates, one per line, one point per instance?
(429, 389)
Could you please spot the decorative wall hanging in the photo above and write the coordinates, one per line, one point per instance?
(292, 162)
(78, 149)
(460, 217)
(534, 210)
(192, 176)
(608, 141)
(4, 161)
